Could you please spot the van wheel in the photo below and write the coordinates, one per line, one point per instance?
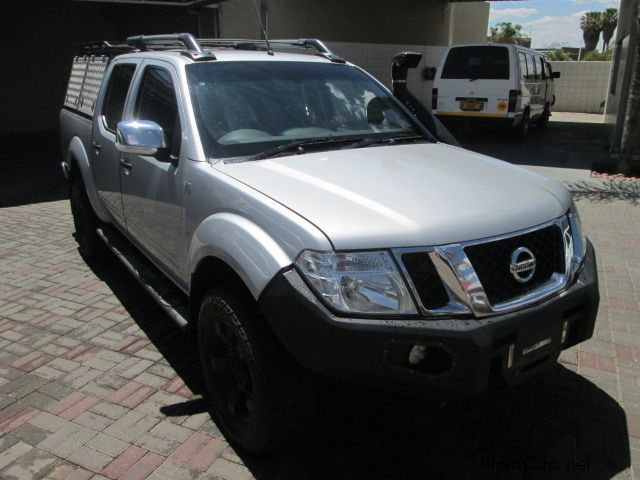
(522, 130)
(261, 399)
(544, 119)
(85, 220)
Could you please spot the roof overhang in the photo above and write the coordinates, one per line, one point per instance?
(167, 3)
(204, 3)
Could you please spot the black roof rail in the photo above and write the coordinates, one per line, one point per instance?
(246, 44)
(194, 51)
(194, 46)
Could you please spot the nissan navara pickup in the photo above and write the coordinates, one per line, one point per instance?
(301, 223)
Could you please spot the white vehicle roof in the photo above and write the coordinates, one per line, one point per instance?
(494, 44)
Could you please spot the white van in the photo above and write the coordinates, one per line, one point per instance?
(498, 84)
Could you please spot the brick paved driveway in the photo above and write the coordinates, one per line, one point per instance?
(95, 382)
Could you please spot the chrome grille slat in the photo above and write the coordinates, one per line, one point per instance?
(462, 282)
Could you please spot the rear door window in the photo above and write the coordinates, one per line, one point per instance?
(117, 90)
(491, 63)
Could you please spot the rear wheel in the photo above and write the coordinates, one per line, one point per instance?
(522, 130)
(262, 400)
(85, 220)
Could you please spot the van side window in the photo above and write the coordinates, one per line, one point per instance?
(157, 102)
(531, 62)
(116, 95)
(542, 68)
(524, 71)
(549, 70)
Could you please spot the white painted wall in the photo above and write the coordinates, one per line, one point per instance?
(582, 86)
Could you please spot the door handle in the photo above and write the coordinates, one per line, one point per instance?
(96, 145)
(126, 163)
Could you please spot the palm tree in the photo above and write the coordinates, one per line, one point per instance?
(609, 24)
(591, 25)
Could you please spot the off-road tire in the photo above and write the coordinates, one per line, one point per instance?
(85, 220)
(261, 399)
(544, 119)
(522, 130)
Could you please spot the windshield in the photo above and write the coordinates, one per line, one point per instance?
(245, 108)
(477, 63)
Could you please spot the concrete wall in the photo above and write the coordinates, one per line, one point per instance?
(421, 22)
(468, 22)
(376, 59)
(582, 86)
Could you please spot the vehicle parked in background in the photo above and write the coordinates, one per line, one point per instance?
(291, 214)
(494, 84)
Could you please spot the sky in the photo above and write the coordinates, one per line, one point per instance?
(549, 22)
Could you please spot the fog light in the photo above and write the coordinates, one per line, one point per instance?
(417, 354)
(429, 359)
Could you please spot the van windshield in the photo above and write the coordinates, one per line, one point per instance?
(482, 62)
(244, 109)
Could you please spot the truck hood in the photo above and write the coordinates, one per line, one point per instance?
(405, 195)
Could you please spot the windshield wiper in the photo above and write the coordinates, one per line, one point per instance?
(301, 146)
(389, 141)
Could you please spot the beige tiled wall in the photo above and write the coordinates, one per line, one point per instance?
(582, 86)
(376, 59)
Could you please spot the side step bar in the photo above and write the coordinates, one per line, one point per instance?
(168, 296)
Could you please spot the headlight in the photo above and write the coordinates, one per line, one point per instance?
(357, 282)
(578, 236)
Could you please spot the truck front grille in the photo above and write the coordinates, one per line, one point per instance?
(492, 261)
(426, 280)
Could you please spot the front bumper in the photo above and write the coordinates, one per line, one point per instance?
(462, 355)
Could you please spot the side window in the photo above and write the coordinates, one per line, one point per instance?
(531, 62)
(157, 102)
(541, 67)
(524, 71)
(116, 95)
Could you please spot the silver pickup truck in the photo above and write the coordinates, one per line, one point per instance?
(302, 223)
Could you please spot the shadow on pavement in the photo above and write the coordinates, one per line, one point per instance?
(30, 170)
(561, 144)
(608, 191)
(559, 425)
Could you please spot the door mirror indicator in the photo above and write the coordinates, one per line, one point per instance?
(141, 137)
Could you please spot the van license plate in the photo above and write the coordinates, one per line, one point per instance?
(472, 106)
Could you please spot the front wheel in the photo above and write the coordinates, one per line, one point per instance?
(544, 119)
(85, 220)
(262, 400)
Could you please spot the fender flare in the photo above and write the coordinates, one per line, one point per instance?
(243, 245)
(77, 153)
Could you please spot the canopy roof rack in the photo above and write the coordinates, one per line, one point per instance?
(188, 45)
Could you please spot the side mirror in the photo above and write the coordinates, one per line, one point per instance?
(140, 137)
(555, 74)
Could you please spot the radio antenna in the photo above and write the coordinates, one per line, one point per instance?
(264, 31)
